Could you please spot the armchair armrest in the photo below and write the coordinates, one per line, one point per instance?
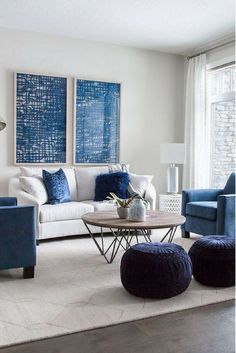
(225, 224)
(150, 196)
(24, 199)
(17, 238)
(199, 195)
(8, 201)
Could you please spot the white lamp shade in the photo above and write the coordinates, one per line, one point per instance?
(172, 153)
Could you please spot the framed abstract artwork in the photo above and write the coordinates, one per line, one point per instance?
(40, 119)
(96, 122)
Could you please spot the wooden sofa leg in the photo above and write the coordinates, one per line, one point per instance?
(185, 234)
(28, 272)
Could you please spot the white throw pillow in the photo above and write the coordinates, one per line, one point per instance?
(70, 176)
(30, 172)
(86, 177)
(35, 187)
(118, 168)
(139, 183)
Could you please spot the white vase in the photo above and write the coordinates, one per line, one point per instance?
(137, 212)
(123, 212)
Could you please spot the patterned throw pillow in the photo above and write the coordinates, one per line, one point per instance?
(57, 187)
(117, 182)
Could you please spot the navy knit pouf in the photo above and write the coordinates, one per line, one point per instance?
(156, 270)
(213, 259)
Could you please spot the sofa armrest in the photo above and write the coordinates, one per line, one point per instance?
(8, 201)
(25, 199)
(225, 224)
(199, 195)
(17, 239)
(150, 196)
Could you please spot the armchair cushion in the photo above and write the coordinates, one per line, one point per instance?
(204, 209)
(199, 195)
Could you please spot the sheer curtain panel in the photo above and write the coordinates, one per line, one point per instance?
(196, 172)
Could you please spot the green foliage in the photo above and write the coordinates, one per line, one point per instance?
(125, 202)
(121, 202)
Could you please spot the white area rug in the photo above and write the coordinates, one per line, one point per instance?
(75, 289)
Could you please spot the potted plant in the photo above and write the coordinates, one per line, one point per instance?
(122, 205)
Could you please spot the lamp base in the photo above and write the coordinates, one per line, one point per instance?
(172, 179)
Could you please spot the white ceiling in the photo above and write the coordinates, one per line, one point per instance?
(174, 26)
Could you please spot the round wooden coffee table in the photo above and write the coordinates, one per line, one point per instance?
(124, 230)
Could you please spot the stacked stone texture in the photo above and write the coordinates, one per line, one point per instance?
(224, 142)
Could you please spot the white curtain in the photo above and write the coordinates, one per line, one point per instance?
(196, 173)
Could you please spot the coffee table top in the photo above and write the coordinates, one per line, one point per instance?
(154, 220)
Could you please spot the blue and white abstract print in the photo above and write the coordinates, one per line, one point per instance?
(97, 122)
(40, 118)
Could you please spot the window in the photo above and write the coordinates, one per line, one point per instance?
(222, 87)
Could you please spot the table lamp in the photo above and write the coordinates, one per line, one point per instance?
(172, 153)
(2, 124)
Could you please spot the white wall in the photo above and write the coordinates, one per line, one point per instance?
(152, 98)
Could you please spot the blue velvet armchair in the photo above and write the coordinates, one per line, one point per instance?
(210, 211)
(17, 236)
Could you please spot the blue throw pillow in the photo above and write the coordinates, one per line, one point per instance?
(117, 182)
(57, 187)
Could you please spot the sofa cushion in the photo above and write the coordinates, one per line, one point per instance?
(57, 187)
(117, 183)
(102, 206)
(64, 211)
(204, 209)
(85, 177)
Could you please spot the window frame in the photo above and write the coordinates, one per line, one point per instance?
(214, 99)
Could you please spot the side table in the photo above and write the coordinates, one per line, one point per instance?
(170, 203)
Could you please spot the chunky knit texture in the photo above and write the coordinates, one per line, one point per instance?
(156, 270)
(213, 259)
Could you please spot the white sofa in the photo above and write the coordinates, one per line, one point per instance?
(65, 219)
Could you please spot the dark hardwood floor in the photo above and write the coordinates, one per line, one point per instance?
(208, 329)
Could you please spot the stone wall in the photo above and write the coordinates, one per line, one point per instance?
(223, 144)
